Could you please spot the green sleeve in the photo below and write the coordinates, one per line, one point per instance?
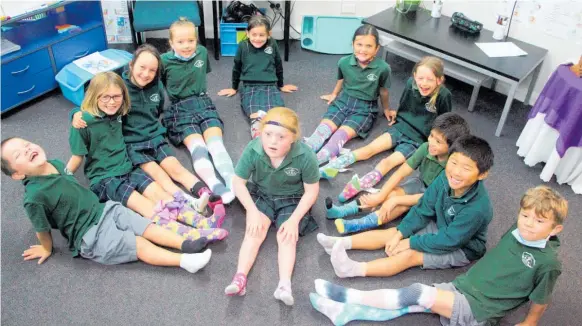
(278, 66)
(78, 140)
(237, 67)
(386, 78)
(208, 67)
(419, 155)
(162, 96)
(340, 75)
(405, 94)
(422, 213)
(245, 165)
(444, 103)
(164, 75)
(37, 214)
(72, 113)
(310, 172)
(544, 287)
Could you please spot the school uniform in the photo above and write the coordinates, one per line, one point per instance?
(192, 110)
(107, 163)
(415, 117)
(261, 71)
(428, 168)
(277, 191)
(357, 105)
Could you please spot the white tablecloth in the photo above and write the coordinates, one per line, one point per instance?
(537, 143)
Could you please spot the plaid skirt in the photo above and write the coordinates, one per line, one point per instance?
(191, 116)
(256, 97)
(153, 150)
(357, 114)
(119, 188)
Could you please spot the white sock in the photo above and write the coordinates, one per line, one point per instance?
(343, 265)
(194, 262)
(284, 293)
(327, 242)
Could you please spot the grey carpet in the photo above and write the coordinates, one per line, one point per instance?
(75, 291)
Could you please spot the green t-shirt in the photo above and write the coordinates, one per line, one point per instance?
(58, 201)
(428, 165)
(184, 79)
(101, 142)
(254, 65)
(415, 117)
(363, 83)
(299, 167)
(142, 121)
(509, 275)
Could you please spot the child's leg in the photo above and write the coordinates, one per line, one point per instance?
(339, 211)
(286, 258)
(335, 144)
(154, 255)
(323, 131)
(371, 240)
(220, 157)
(156, 193)
(369, 221)
(160, 176)
(178, 172)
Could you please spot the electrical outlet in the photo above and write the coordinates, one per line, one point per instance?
(348, 8)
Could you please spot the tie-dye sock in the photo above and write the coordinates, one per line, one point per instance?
(327, 242)
(355, 185)
(319, 136)
(342, 313)
(333, 146)
(416, 294)
(341, 162)
(334, 211)
(221, 159)
(343, 265)
(367, 222)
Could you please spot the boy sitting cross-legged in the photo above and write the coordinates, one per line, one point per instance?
(523, 267)
(107, 233)
(448, 227)
(405, 187)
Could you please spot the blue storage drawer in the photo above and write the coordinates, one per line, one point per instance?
(79, 46)
(17, 71)
(27, 89)
(228, 43)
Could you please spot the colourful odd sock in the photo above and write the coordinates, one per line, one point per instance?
(203, 166)
(238, 286)
(342, 313)
(334, 211)
(333, 146)
(343, 265)
(342, 162)
(221, 159)
(371, 179)
(215, 221)
(327, 173)
(350, 190)
(328, 242)
(319, 136)
(367, 222)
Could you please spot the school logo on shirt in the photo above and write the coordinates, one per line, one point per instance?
(269, 50)
(119, 118)
(372, 77)
(451, 211)
(155, 98)
(291, 172)
(528, 259)
(198, 63)
(430, 107)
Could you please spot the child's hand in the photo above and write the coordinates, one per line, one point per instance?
(255, 222)
(384, 212)
(403, 245)
(329, 97)
(36, 251)
(371, 200)
(390, 116)
(228, 92)
(289, 231)
(392, 243)
(288, 88)
(78, 122)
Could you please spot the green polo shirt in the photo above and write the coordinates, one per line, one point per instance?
(509, 275)
(414, 117)
(299, 167)
(253, 65)
(428, 165)
(363, 83)
(58, 201)
(142, 122)
(184, 79)
(102, 145)
(462, 221)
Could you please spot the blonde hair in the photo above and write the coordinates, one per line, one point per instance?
(285, 117)
(182, 22)
(546, 202)
(98, 85)
(437, 67)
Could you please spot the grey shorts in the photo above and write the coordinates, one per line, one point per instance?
(413, 185)
(455, 258)
(462, 314)
(112, 240)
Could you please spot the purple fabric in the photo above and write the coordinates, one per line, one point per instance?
(561, 101)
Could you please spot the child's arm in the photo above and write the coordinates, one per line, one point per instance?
(330, 97)
(254, 224)
(534, 315)
(392, 202)
(385, 99)
(73, 164)
(42, 251)
(374, 200)
(236, 71)
(290, 228)
(279, 72)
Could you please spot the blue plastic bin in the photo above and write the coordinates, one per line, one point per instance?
(72, 78)
(228, 43)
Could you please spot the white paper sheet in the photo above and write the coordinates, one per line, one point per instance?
(501, 49)
(96, 63)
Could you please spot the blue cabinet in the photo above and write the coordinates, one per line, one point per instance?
(30, 72)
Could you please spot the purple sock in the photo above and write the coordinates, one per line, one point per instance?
(333, 146)
(370, 179)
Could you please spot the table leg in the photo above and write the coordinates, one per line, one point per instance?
(216, 40)
(532, 83)
(506, 108)
(286, 28)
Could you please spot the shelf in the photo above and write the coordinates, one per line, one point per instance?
(34, 12)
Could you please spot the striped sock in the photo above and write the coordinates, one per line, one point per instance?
(319, 136)
(204, 168)
(221, 159)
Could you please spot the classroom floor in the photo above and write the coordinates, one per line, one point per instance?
(71, 291)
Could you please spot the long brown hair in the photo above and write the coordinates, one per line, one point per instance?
(437, 67)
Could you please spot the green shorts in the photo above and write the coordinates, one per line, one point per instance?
(401, 143)
(280, 208)
(191, 116)
(260, 97)
(119, 188)
(154, 150)
(357, 114)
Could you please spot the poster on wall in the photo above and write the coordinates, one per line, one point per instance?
(561, 19)
(116, 18)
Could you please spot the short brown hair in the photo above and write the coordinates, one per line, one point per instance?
(4, 165)
(546, 202)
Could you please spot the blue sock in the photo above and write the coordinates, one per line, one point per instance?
(334, 211)
(342, 313)
(367, 222)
